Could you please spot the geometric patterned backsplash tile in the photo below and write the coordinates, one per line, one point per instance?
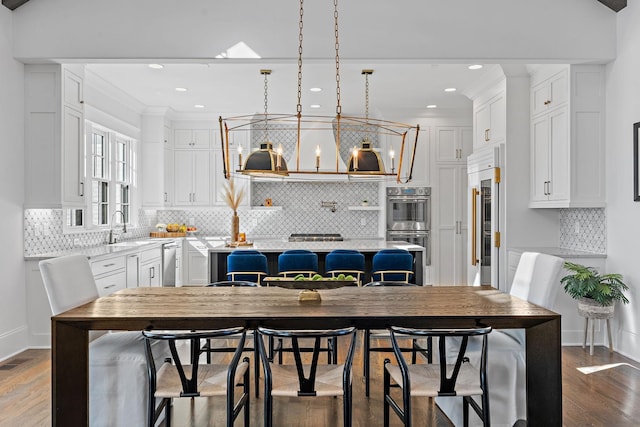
(298, 211)
(584, 229)
(43, 232)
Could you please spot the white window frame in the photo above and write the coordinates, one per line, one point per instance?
(114, 203)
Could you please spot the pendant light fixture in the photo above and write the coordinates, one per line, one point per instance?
(363, 159)
(265, 160)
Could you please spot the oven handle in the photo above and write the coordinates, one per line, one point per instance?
(409, 233)
(408, 198)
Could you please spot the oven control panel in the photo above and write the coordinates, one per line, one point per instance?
(408, 191)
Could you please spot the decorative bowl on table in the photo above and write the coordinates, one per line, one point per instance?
(309, 286)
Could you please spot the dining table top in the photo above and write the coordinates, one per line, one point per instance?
(370, 307)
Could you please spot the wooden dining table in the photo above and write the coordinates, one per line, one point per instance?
(366, 308)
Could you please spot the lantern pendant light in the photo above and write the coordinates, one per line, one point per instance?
(266, 161)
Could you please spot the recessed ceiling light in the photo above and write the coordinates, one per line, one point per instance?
(432, 106)
(198, 106)
(156, 66)
(181, 89)
(475, 67)
(315, 105)
(315, 89)
(450, 89)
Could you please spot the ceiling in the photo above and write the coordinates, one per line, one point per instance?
(396, 90)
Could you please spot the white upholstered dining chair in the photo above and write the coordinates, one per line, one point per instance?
(536, 280)
(117, 362)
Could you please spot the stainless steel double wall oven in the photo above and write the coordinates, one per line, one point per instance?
(409, 216)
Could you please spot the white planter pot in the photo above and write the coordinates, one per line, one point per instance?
(594, 310)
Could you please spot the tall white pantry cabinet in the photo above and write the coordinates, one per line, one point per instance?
(54, 136)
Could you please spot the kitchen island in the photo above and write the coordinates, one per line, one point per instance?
(273, 248)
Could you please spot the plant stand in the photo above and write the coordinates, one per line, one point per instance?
(594, 311)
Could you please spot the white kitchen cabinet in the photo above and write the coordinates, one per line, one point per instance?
(490, 121)
(196, 266)
(151, 273)
(453, 144)
(192, 138)
(550, 93)
(168, 177)
(192, 177)
(54, 136)
(550, 156)
(110, 274)
(450, 225)
(567, 138)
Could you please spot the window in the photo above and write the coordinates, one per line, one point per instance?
(111, 159)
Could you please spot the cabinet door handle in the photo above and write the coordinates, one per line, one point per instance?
(152, 272)
(547, 102)
(109, 265)
(109, 286)
(81, 189)
(549, 188)
(486, 135)
(165, 196)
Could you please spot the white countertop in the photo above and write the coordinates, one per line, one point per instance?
(365, 245)
(102, 250)
(559, 252)
(217, 244)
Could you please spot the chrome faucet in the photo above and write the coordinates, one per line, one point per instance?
(112, 238)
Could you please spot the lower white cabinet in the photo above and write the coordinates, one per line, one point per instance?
(111, 283)
(197, 261)
(110, 274)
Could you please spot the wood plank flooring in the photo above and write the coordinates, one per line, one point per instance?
(606, 398)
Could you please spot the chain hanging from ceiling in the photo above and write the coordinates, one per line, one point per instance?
(354, 165)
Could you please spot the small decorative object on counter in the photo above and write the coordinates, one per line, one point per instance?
(242, 237)
(268, 202)
(233, 198)
(365, 203)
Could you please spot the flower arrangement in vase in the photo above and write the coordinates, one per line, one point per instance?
(233, 198)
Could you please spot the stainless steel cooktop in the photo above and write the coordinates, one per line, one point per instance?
(315, 237)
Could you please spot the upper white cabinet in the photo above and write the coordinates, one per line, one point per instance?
(490, 121)
(567, 137)
(54, 136)
(549, 93)
(192, 138)
(453, 144)
(192, 177)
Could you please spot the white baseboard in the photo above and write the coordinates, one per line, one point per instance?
(14, 342)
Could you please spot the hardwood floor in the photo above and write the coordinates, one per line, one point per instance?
(605, 398)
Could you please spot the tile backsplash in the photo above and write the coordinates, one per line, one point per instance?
(583, 229)
(43, 232)
(297, 210)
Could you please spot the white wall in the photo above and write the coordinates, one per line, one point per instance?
(13, 308)
(623, 214)
(567, 30)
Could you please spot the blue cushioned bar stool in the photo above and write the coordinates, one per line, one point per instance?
(247, 265)
(345, 261)
(297, 261)
(392, 265)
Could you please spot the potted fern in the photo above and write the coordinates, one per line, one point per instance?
(596, 293)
